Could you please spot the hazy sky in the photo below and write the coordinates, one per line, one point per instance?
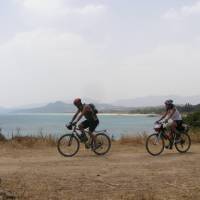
(106, 49)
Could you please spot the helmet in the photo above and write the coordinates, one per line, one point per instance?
(77, 101)
(169, 102)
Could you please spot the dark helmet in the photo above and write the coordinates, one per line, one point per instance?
(77, 101)
(169, 102)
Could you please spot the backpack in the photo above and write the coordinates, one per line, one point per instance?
(93, 108)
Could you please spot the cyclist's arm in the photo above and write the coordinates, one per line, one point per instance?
(85, 109)
(74, 117)
(164, 115)
(171, 113)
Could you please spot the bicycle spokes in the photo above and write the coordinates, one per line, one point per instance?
(155, 144)
(102, 144)
(68, 145)
(184, 144)
(70, 141)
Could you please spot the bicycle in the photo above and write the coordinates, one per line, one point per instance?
(156, 142)
(68, 145)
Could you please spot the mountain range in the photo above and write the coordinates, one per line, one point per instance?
(61, 107)
(152, 101)
(124, 105)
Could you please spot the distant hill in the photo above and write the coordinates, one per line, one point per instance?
(152, 101)
(149, 104)
(61, 107)
(57, 107)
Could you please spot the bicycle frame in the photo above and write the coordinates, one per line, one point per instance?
(75, 132)
(76, 129)
(162, 133)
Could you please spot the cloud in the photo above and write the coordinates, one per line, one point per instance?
(45, 49)
(58, 8)
(63, 50)
(45, 64)
(184, 11)
(168, 69)
(171, 14)
(89, 9)
(44, 6)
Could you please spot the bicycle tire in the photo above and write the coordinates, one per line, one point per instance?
(189, 143)
(96, 150)
(71, 137)
(148, 144)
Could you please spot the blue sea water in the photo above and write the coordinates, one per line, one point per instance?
(34, 124)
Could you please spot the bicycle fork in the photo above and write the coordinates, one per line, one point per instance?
(70, 140)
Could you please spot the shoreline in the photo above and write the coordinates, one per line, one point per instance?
(100, 114)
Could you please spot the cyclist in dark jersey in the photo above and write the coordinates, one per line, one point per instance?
(91, 121)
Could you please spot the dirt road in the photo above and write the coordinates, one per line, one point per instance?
(127, 172)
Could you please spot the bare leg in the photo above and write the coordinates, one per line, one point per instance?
(173, 127)
(84, 137)
(91, 139)
(173, 131)
(92, 136)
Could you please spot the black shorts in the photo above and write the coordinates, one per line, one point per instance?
(91, 124)
(179, 123)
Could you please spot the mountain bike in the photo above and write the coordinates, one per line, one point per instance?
(68, 145)
(156, 142)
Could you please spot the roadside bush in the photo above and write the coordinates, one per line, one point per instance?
(193, 119)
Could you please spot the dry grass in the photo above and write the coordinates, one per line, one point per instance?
(133, 139)
(195, 135)
(141, 138)
(19, 141)
(40, 141)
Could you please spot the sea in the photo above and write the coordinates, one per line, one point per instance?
(54, 124)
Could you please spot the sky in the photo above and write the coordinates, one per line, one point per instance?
(104, 50)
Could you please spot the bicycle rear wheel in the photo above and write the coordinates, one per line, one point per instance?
(155, 144)
(68, 145)
(184, 143)
(103, 144)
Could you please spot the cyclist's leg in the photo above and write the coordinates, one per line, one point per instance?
(177, 130)
(169, 127)
(83, 125)
(92, 127)
(174, 133)
(173, 127)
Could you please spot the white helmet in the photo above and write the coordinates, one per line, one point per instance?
(169, 102)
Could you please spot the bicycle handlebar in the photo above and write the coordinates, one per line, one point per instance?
(71, 126)
(74, 127)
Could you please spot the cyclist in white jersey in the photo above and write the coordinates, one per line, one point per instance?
(172, 116)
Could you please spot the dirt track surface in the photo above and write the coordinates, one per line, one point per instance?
(127, 172)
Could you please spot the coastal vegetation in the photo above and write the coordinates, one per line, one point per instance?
(193, 119)
(185, 109)
(43, 141)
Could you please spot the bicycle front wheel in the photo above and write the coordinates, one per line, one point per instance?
(184, 143)
(155, 144)
(102, 144)
(68, 145)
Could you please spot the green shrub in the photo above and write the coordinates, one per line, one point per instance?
(193, 119)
